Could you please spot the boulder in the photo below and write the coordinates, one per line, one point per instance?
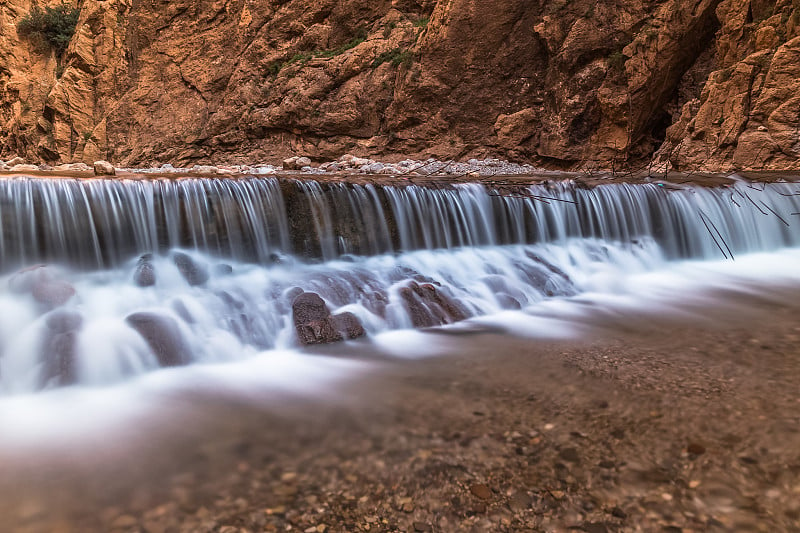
(290, 163)
(428, 306)
(193, 272)
(145, 273)
(315, 325)
(14, 161)
(348, 325)
(163, 335)
(104, 168)
(58, 348)
(43, 284)
(296, 163)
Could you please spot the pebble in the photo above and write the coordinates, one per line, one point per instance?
(519, 501)
(570, 455)
(481, 491)
(695, 448)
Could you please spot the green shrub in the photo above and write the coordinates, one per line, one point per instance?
(51, 27)
(396, 57)
(349, 45)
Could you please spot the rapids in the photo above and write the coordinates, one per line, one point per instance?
(252, 244)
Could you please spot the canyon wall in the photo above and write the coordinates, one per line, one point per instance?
(698, 84)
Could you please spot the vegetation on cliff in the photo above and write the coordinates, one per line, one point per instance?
(51, 27)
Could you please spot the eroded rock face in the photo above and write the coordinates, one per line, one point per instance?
(555, 83)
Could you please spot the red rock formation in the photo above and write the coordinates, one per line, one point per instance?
(558, 83)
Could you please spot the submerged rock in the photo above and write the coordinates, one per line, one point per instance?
(145, 273)
(193, 272)
(315, 324)
(59, 346)
(348, 325)
(163, 336)
(428, 306)
(43, 284)
(312, 320)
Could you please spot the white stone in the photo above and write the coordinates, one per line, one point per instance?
(104, 168)
(205, 169)
(24, 168)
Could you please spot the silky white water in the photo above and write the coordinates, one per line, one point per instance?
(539, 265)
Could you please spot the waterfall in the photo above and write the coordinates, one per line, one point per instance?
(107, 279)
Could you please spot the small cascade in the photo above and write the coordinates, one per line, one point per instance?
(107, 279)
(102, 223)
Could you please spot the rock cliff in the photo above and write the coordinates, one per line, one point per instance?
(697, 83)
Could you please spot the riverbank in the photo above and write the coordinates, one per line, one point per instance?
(652, 421)
(431, 173)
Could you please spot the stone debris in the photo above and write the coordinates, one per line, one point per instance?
(350, 164)
(104, 168)
(24, 168)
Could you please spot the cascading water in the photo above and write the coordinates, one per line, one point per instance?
(118, 297)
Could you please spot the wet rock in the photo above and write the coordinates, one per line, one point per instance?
(695, 448)
(63, 321)
(43, 284)
(312, 320)
(104, 168)
(162, 335)
(429, 306)
(570, 455)
(193, 272)
(145, 273)
(507, 302)
(53, 292)
(348, 325)
(222, 269)
(182, 311)
(59, 346)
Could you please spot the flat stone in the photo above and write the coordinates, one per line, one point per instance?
(479, 490)
(24, 168)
